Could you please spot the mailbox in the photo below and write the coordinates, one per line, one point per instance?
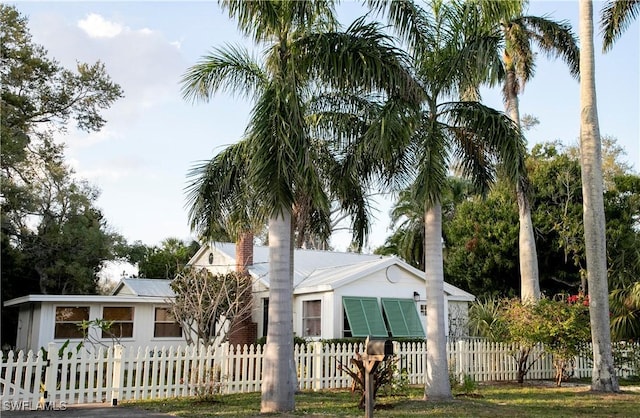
(375, 351)
(378, 349)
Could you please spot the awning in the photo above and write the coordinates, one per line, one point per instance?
(363, 314)
(402, 317)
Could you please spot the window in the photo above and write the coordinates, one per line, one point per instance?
(364, 317)
(122, 325)
(165, 324)
(69, 320)
(402, 317)
(311, 313)
(423, 309)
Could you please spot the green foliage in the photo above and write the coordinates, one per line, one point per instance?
(626, 359)
(159, 262)
(481, 236)
(63, 347)
(463, 383)
(485, 320)
(624, 304)
(562, 326)
(53, 237)
(481, 245)
(296, 340)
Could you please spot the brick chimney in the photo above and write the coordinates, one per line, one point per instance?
(244, 251)
(243, 330)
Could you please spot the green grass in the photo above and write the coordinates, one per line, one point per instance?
(499, 400)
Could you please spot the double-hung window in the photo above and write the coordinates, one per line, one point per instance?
(165, 325)
(69, 321)
(311, 318)
(121, 318)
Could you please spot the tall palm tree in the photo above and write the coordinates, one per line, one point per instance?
(407, 240)
(519, 33)
(222, 205)
(302, 53)
(448, 57)
(603, 377)
(616, 16)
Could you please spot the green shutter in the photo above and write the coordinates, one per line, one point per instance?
(402, 317)
(364, 317)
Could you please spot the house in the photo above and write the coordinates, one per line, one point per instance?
(338, 295)
(137, 307)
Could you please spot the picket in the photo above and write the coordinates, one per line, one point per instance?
(117, 374)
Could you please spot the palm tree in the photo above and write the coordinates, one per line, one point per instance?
(448, 57)
(616, 17)
(519, 33)
(625, 312)
(407, 241)
(222, 205)
(302, 53)
(603, 377)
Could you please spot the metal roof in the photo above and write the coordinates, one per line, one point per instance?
(144, 287)
(316, 270)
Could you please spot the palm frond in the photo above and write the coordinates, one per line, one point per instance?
(411, 23)
(219, 197)
(231, 69)
(485, 137)
(616, 16)
(265, 21)
(555, 39)
(362, 57)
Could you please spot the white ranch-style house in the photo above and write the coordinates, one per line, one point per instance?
(336, 295)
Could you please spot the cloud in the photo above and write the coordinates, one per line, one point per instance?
(146, 64)
(96, 26)
(112, 170)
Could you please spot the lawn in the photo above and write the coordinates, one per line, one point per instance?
(537, 399)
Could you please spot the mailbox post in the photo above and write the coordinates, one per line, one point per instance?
(376, 350)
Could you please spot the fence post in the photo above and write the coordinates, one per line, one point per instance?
(51, 374)
(317, 369)
(461, 363)
(117, 374)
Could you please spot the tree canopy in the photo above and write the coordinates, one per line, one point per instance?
(54, 238)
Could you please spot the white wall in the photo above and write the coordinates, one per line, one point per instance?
(44, 326)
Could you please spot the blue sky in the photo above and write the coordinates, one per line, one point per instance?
(153, 137)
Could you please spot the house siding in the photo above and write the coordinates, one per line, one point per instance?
(43, 325)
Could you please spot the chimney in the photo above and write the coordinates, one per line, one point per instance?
(244, 251)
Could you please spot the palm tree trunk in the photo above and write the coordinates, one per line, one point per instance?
(528, 255)
(437, 380)
(527, 251)
(603, 376)
(278, 373)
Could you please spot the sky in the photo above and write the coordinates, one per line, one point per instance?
(153, 137)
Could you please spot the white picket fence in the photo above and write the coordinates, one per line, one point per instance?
(116, 374)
